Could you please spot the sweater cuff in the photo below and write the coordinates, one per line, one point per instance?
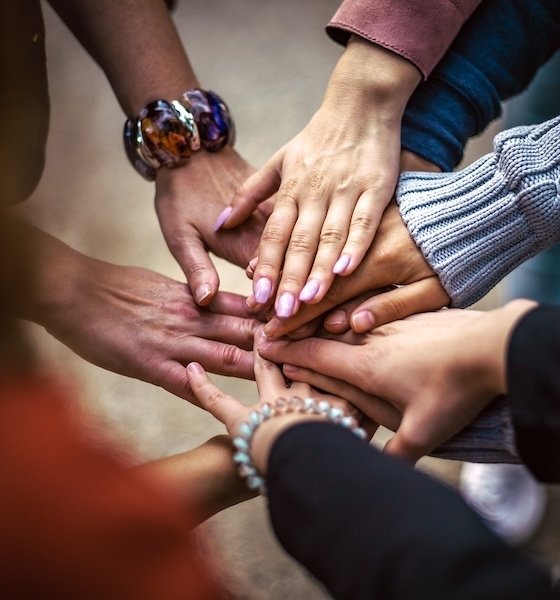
(476, 225)
(441, 115)
(417, 30)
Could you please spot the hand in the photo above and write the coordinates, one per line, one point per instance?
(393, 259)
(188, 199)
(438, 370)
(334, 180)
(136, 322)
(271, 386)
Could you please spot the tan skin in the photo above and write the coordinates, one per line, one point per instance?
(436, 371)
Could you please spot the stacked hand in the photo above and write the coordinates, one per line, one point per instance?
(434, 371)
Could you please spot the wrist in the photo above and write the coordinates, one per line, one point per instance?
(283, 414)
(372, 78)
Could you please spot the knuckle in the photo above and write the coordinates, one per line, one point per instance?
(275, 232)
(301, 243)
(363, 222)
(230, 356)
(331, 236)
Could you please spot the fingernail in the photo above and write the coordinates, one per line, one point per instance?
(341, 264)
(251, 302)
(202, 292)
(289, 368)
(262, 290)
(362, 321)
(285, 305)
(271, 328)
(223, 217)
(309, 290)
(253, 263)
(336, 318)
(195, 368)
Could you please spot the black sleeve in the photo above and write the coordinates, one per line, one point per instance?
(369, 526)
(533, 374)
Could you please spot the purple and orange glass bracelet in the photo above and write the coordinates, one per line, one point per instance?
(166, 133)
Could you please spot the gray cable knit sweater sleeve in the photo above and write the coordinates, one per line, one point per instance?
(476, 225)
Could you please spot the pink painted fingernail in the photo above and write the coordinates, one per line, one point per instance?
(309, 290)
(224, 215)
(262, 290)
(362, 321)
(195, 368)
(285, 305)
(341, 264)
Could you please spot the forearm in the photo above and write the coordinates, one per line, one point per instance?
(477, 225)
(203, 479)
(486, 64)
(382, 513)
(135, 43)
(368, 78)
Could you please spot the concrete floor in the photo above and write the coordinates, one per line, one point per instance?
(271, 61)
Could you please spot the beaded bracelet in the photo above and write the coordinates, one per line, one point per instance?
(281, 406)
(166, 133)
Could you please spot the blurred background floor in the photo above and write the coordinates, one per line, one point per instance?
(271, 61)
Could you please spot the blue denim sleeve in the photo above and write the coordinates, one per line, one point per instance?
(493, 58)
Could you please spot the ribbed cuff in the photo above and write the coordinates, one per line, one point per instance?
(476, 225)
(490, 438)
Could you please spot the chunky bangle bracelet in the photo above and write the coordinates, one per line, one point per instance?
(242, 441)
(215, 123)
(166, 133)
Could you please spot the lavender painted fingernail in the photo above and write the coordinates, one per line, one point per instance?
(341, 264)
(285, 305)
(262, 290)
(309, 290)
(224, 215)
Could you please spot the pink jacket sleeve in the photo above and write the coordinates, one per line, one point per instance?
(419, 30)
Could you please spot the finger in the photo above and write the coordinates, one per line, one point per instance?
(331, 357)
(250, 270)
(306, 330)
(228, 303)
(332, 238)
(228, 330)
(256, 189)
(338, 320)
(270, 381)
(217, 357)
(298, 259)
(421, 296)
(374, 407)
(172, 376)
(272, 248)
(408, 442)
(188, 250)
(225, 408)
(365, 221)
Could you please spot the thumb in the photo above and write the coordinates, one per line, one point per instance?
(405, 445)
(421, 296)
(256, 189)
(225, 408)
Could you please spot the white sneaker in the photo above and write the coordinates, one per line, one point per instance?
(507, 497)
